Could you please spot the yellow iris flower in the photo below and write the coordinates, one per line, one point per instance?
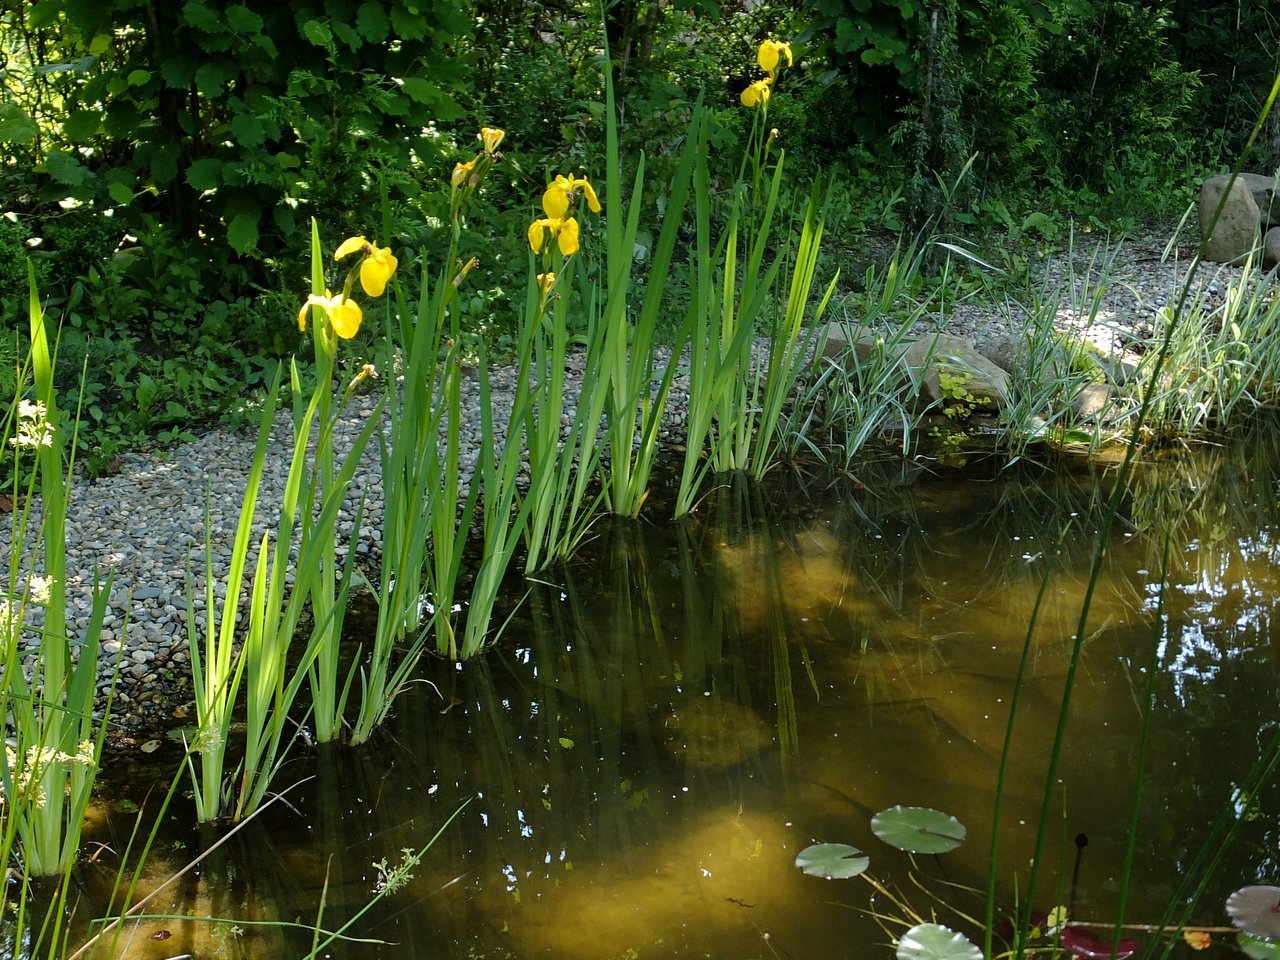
(768, 55)
(461, 173)
(344, 315)
(491, 137)
(560, 192)
(377, 266)
(565, 232)
(758, 92)
(545, 282)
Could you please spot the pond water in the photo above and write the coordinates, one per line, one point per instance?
(673, 716)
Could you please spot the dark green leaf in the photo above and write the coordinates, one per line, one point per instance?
(372, 21)
(44, 14)
(15, 125)
(408, 25)
(201, 17)
(317, 32)
(242, 232)
(164, 164)
(205, 174)
(119, 192)
(211, 79)
(247, 130)
(177, 73)
(347, 35)
(243, 20)
(82, 125)
(65, 168)
(423, 91)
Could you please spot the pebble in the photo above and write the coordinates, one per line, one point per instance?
(146, 525)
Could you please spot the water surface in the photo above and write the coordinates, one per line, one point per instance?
(674, 715)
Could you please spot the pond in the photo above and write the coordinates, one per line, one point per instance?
(673, 716)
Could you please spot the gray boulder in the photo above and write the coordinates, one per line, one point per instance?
(1091, 400)
(952, 372)
(1012, 353)
(1238, 229)
(837, 345)
(1271, 248)
(1266, 194)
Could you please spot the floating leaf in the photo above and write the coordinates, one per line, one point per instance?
(1081, 942)
(918, 829)
(1259, 948)
(1256, 910)
(932, 941)
(834, 861)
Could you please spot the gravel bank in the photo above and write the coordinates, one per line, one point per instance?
(146, 524)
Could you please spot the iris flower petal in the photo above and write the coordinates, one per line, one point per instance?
(491, 137)
(536, 233)
(345, 317)
(568, 237)
(593, 202)
(350, 246)
(377, 269)
(556, 200)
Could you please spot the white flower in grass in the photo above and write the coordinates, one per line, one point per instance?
(39, 589)
(33, 426)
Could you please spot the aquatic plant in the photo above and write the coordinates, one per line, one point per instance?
(328, 582)
(913, 830)
(49, 679)
(635, 390)
(309, 507)
(858, 396)
(735, 399)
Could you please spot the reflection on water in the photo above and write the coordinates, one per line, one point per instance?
(677, 713)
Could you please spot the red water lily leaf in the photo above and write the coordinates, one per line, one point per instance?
(1082, 942)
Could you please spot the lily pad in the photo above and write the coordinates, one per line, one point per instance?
(918, 829)
(932, 941)
(834, 861)
(1258, 948)
(1256, 911)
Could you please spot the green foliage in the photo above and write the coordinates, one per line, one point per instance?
(1001, 96)
(1116, 100)
(246, 116)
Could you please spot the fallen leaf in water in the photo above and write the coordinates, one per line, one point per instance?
(1197, 939)
(151, 746)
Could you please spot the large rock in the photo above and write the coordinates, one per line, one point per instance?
(1012, 353)
(1266, 194)
(1271, 248)
(865, 344)
(1237, 230)
(984, 384)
